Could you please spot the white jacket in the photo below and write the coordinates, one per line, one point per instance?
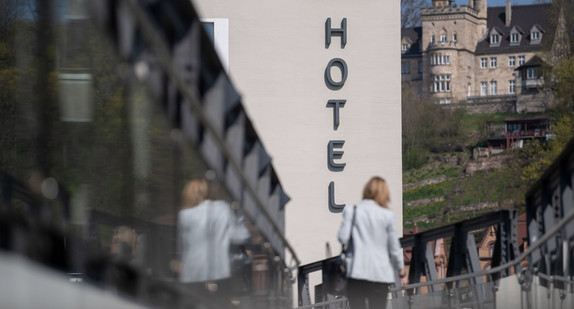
(376, 253)
(204, 235)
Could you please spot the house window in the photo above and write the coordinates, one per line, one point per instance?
(511, 87)
(514, 127)
(432, 39)
(420, 66)
(532, 73)
(438, 59)
(483, 88)
(535, 36)
(454, 38)
(218, 31)
(493, 88)
(514, 37)
(405, 47)
(444, 101)
(520, 60)
(441, 83)
(443, 38)
(494, 39)
(405, 68)
(483, 63)
(209, 28)
(493, 62)
(511, 61)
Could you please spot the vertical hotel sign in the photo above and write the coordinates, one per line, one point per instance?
(334, 147)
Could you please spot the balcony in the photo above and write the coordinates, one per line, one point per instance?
(532, 83)
(500, 97)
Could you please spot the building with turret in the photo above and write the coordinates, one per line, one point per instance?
(488, 59)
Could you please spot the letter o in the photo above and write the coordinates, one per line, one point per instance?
(342, 65)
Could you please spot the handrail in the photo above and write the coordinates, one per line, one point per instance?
(158, 46)
(565, 220)
(555, 278)
(324, 303)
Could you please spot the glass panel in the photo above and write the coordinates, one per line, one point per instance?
(209, 29)
(91, 159)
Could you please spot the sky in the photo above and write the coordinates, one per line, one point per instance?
(497, 2)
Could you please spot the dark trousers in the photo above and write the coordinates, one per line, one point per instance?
(364, 294)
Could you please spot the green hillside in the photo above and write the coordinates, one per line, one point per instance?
(456, 195)
(453, 186)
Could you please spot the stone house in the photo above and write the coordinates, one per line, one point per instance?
(487, 59)
(486, 246)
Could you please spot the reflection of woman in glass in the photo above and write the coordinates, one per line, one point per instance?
(206, 228)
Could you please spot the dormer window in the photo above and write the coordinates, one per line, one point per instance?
(536, 34)
(494, 39)
(495, 35)
(516, 35)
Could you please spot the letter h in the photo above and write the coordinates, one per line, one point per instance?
(329, 32)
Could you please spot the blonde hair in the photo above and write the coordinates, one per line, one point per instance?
(378, 190)
(194, 193)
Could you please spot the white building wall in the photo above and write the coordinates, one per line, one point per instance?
(277, 60)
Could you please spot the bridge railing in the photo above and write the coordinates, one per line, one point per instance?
(559, 289)
(527, 288)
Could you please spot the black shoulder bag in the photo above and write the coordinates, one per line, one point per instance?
(335, 268)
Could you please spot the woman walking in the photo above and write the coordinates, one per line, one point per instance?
(375, 253)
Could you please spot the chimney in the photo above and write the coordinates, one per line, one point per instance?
(508, 13)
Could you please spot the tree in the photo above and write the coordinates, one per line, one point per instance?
(532, 161)
(563, 79)
(427, 128)
(410, 12)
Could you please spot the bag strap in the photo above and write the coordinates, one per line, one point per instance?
(352, 226)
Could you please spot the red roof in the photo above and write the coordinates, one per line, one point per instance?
(528, 118)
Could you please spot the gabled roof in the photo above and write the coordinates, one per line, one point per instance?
(523, 17)
(498, 30)
(413, 34)
(539, 28)
(533, 62)
(518, 29)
